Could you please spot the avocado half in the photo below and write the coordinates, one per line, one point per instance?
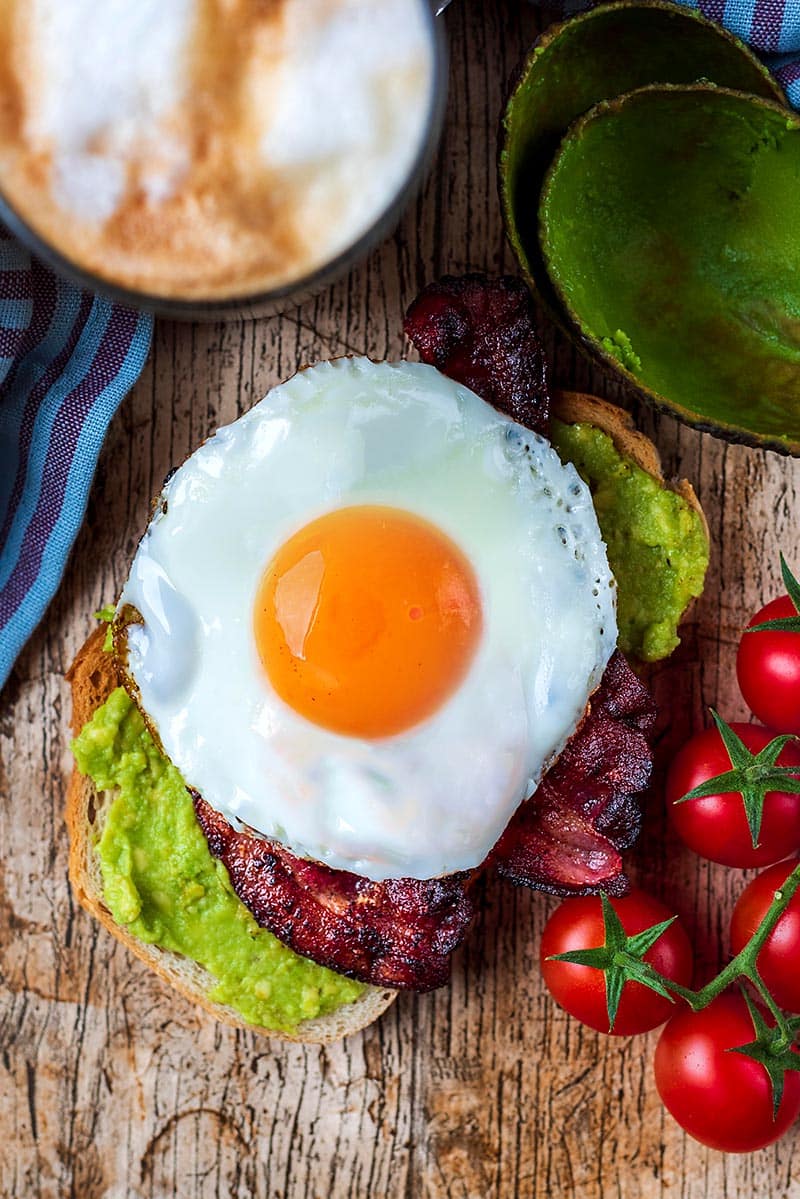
(670, 229)
(595, 56)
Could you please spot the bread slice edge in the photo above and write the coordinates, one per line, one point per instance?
(576, 407)
(92, 677)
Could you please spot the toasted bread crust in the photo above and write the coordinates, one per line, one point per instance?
(93, 677)
(575, 407)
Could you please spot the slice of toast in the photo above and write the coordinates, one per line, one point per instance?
(93, 677)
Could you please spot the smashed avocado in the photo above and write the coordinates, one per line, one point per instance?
(619, 346)
(161, 882)
(657, 545)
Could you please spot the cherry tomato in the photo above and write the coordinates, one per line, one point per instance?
(768, 670)
(779, 960)
(581, 990)
(720, 1098)
(716, 827)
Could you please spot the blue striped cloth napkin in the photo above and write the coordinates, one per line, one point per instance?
(67, 358)
(771, 27)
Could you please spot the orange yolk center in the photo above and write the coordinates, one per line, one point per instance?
(367, 619)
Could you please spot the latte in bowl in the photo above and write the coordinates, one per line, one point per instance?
(211, 150)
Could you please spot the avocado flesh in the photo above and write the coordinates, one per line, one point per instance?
(595, 56)
(673, 214)
(656, 542)
(161, 882)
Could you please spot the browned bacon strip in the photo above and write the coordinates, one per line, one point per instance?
(566, 838)
(399, 933)
(480, 331)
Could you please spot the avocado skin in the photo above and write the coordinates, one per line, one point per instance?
(597, 55)
(672, 213)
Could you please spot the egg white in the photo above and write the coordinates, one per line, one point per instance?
(431, 800)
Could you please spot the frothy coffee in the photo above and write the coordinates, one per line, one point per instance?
(209, 148)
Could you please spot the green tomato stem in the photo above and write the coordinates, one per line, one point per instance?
(786, 1038)
(744, 964)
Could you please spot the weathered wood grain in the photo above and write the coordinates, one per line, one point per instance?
(113, 1087)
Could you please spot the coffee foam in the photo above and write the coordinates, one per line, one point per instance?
(209, 147)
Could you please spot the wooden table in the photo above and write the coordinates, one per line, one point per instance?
(111, 1085)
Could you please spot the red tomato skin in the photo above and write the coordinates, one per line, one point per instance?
(716, 826)
(768, 670)
(722, 1099)
(779, 960)
(581, 990)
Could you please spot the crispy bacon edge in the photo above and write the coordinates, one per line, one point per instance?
(566, 839)
(401, 933)
(480, 331)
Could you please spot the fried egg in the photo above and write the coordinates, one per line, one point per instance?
(368, 615)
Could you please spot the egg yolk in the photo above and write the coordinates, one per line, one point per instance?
(367, 619)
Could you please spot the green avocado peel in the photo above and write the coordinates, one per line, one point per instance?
(593, 56)
(672, 213)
